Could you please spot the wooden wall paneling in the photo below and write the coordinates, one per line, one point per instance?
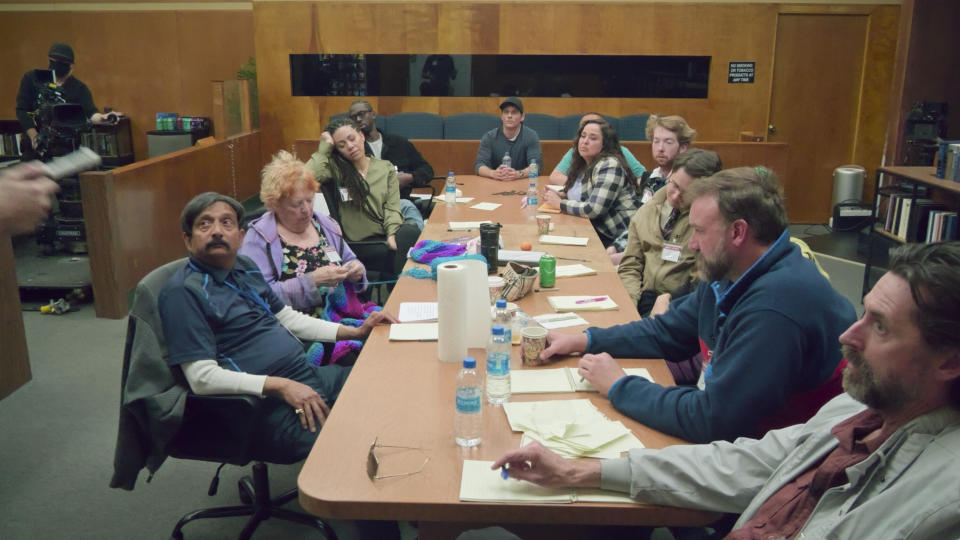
(15, 361)
(133, 212)
(875, 92)
(467, 28)
(137, 62)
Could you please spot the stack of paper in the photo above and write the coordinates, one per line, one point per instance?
(571, 428)
(575, 270)
(486, 206)
(581, 303)
(465, 225)
(552, 321)
(563, 240)
(533, 381)
(479, 483)
(414, 332)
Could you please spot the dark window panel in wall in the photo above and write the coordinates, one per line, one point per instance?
(488, 75)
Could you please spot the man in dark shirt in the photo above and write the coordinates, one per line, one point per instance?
(58, 81)
(230, 334)
(856, 468)
(511, 138)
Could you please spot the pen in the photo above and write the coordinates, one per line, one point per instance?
(589, 300)
(503, 472)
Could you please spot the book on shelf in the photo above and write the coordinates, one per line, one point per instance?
(942, 150)
(919, 219)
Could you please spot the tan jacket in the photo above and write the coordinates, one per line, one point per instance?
(383, 201)
(641, 268)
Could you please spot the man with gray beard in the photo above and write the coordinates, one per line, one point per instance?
(878, 461)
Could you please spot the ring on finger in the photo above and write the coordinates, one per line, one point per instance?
(298, 411)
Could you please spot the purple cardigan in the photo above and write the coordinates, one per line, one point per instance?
(262, 244)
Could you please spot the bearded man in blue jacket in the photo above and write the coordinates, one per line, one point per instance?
(764, 319)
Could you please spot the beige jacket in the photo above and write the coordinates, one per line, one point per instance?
(383, 202)
(642, 268)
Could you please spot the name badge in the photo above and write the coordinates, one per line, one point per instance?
(332, 254)
(671, 252)
(647, 195)
(344, 194)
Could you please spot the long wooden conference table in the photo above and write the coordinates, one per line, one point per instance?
(399, 393)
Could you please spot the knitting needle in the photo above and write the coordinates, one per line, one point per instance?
(572, 259)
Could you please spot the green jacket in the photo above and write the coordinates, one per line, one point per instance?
(380, 214)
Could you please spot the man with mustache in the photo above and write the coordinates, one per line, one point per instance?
(230, 334)
(876, 462)
(764, 319)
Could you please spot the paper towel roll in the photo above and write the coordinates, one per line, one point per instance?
(463, 309)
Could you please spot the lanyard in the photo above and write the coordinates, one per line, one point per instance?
(248, 293)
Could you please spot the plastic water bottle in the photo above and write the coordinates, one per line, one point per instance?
(450, 192)
(507, 162)
(532, 199)
(468, 418)
(498, 367)
(502, 317)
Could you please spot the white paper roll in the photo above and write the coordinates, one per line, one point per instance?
(477, 304)
(452, 281)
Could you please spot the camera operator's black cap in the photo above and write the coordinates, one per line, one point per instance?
(512, 100)
(61, 51)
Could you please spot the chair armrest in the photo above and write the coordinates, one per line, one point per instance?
(218, 427)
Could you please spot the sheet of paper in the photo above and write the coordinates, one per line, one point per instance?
(527, 257)
(414, 332)
(538, 381)
(581, 303)
(421, 196)
(479, 483)
(611, 450)
(486, 206)
(555, 187)
(536, 415)
(574, 270)
(552, 321)
(585, 386)
(563, 240)
(460, 200)
(417, 312)
(466, 225)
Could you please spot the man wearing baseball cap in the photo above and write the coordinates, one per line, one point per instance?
(512, 139)
(59, 79)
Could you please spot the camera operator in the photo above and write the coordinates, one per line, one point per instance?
(39, 86)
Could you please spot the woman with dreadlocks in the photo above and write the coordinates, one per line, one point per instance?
(366, 192)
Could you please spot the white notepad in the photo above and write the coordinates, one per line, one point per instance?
(555, 187)
(479, 483)
(575, 270)
(486, 206)
(552, 321)
(414, 332)
(460, 200)
(537, 381)
(417, 312)
(466, 225)
(563, 240)
(581, 303)
(528, 257)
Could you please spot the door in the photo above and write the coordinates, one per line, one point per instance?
(817, 74)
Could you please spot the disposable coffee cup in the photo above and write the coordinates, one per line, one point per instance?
(543, 224)
(496, 284)
(533, 342)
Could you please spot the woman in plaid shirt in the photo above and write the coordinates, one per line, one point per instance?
(600, 185)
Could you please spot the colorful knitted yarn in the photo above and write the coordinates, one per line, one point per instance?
(422, 273)
(426, 251)
(342, 307)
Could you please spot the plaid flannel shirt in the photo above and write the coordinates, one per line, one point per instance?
(605, 200)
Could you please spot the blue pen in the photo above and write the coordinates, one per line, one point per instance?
(503, 472)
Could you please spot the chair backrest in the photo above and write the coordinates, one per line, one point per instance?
(383, 122)
(547, 126)
(633, 127)
(469, 126)
(571, 123)
(416, 125)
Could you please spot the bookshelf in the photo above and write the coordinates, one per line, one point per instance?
(912, 206)
(113, 142)
(10, 135)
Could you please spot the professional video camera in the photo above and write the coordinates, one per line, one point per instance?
(59, 123)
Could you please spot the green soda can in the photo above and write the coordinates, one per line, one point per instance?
(548, 270)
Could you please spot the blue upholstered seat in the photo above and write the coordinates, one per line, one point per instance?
(416, 125)
(633, 127)
(547, 126)
(469, 125)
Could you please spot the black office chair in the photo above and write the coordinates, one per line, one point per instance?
(214, 428)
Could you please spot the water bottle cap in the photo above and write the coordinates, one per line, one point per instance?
(469, 362)
(501, 303)
(497, 330)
